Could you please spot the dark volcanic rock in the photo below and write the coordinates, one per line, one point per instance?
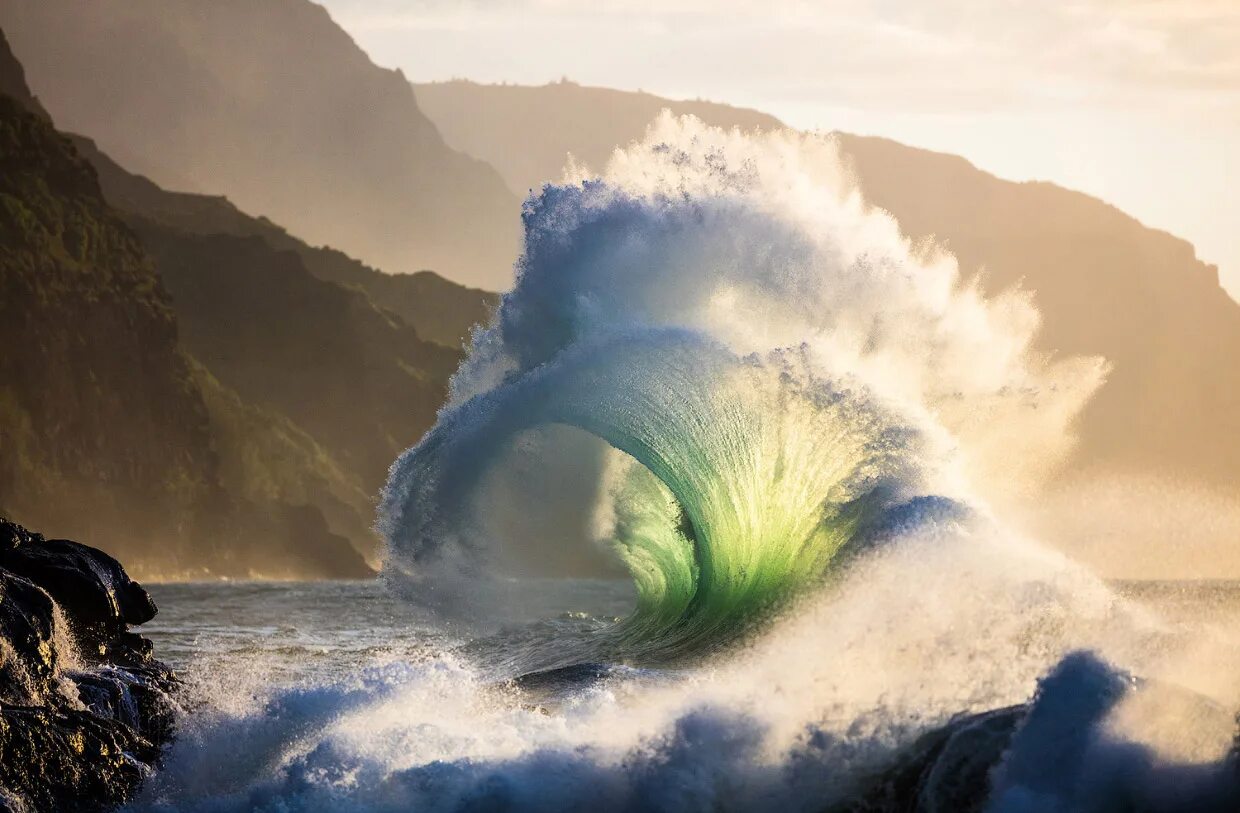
(84, 707)
(90, 586)
(947, 769)
(27, 624)
(1058, 751)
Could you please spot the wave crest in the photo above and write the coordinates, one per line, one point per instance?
(786, 369)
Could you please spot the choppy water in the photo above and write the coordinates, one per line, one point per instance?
(340, 696)
(299, 632)
(1214, 602)
(311, 631)
(800, 435)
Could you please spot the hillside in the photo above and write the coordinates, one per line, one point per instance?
(109, 430)
(1105, 284)
(100, 415)
(357, 380)
(526, 133)
(273, 105)
(439, 309)
(313, 389)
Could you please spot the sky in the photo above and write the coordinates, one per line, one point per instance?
(1134, 101)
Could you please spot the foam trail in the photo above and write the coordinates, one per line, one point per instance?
(801, 721)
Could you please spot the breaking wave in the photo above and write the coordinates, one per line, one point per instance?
(797, 432)
(776, 374)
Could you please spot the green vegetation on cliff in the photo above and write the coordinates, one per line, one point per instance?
(274, 105)
(104, 429)
(440, 310)
(102, 418)
(266, 459)
(236, 415)
(294, 332)
(356, 378)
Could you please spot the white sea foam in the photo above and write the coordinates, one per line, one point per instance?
(721, 301)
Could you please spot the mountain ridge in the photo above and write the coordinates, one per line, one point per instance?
(276, 106)
(439, 309)
(301, 367)
(134, 430)
(89, 436)
(467, 112)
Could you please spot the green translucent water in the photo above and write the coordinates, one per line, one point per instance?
(748, 476)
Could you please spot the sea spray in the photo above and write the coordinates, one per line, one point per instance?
(774, 382)
(779, 364)
(923, 629)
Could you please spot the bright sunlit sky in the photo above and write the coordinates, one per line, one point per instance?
(1135, 101)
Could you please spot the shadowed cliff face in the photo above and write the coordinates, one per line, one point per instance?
(13, 80)
(439, 309)
(103, 427)
(314, 375)
(101, 418)
(274, 105)
(355, 378)
(301, 389)
(1105, 284)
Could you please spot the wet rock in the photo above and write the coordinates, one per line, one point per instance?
(28, 656)
(91, 587)
(575, 676)
(84, 707)
(947, 770)
(1056, 752)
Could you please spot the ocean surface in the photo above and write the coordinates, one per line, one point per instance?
(796, 432)
(306, 632)
(342, 696)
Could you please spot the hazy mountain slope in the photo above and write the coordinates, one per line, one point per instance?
(311, 388)
(357, 380)
(266, 459)
(272, 104)
(13, 80)
(304, 403)
(104, 431)
(527, 132)
(1105, 284)
(439, 309)
(100, 415)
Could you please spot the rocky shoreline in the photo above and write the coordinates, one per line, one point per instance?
(85, 708)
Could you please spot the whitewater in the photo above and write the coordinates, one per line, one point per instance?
(806, 441)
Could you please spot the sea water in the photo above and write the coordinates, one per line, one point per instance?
(307, 632)
(811, 445)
